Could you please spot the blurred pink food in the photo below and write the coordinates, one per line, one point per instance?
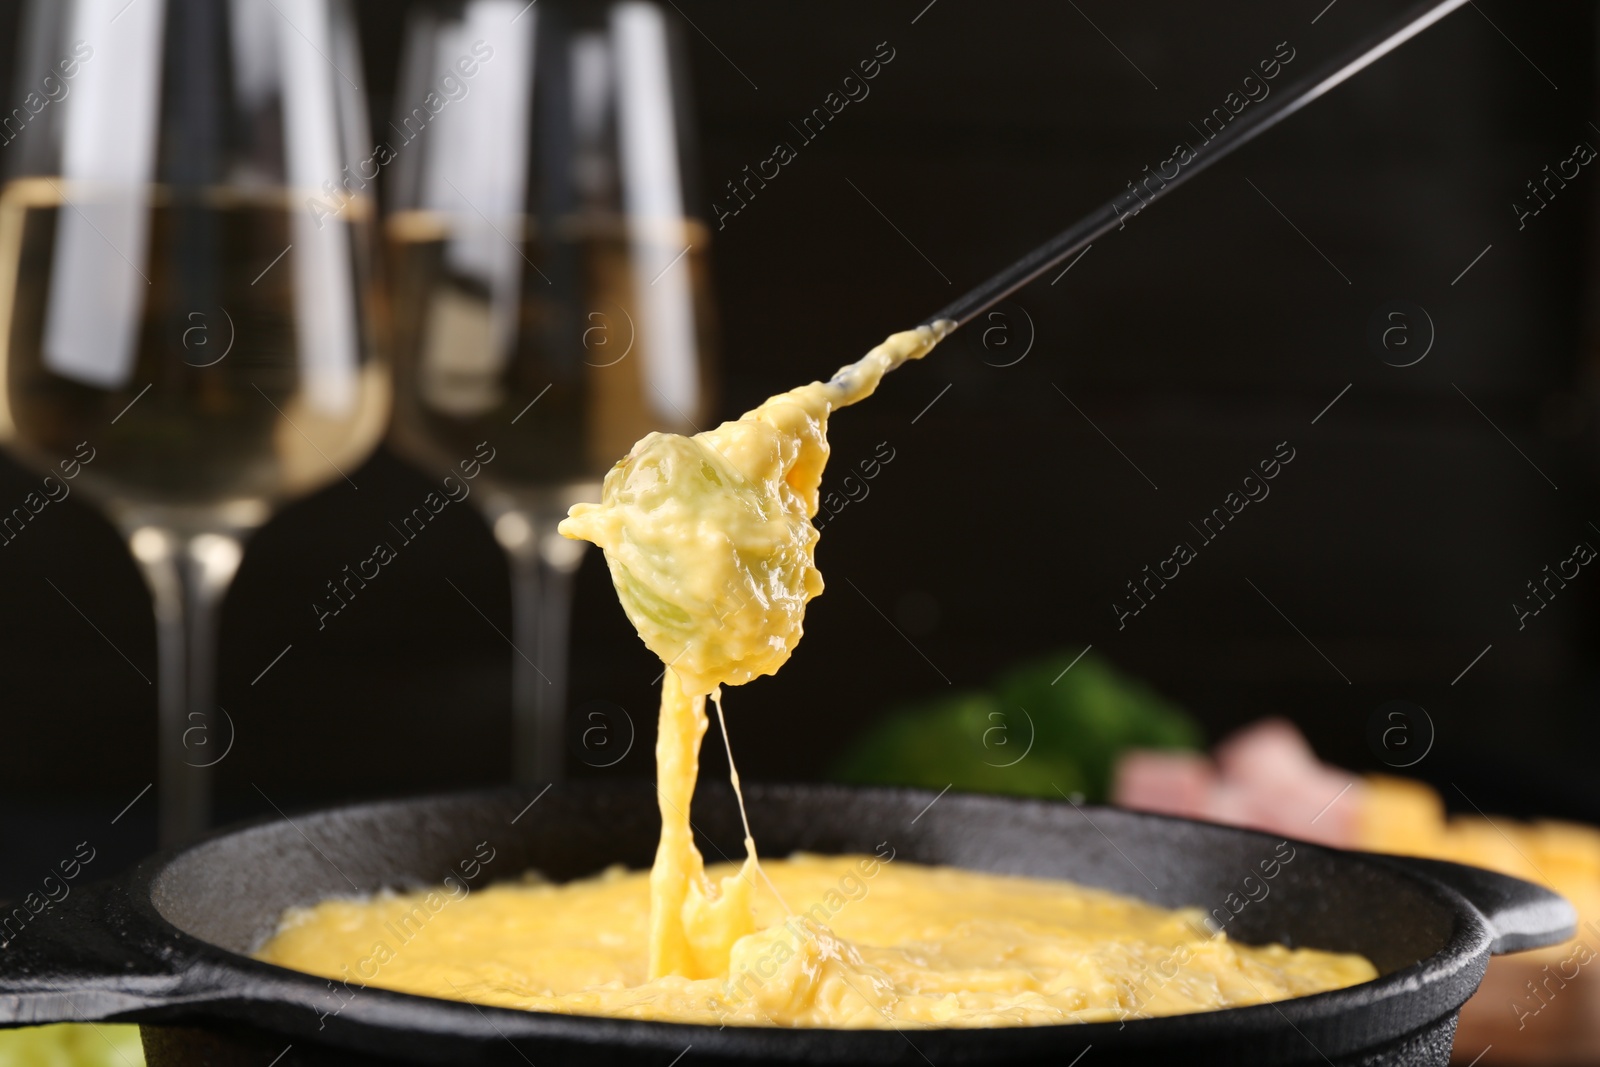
(1172, 783)
(1264, 777)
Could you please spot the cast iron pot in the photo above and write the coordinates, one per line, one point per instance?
(166, 944)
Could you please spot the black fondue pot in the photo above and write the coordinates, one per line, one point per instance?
(165, 945)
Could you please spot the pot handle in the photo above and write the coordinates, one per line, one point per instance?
(81, 959)
(1520, 914)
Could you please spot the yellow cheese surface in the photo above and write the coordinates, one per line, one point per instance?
(872, 941)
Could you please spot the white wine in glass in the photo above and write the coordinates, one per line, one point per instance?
(550, 283)
(179, 304)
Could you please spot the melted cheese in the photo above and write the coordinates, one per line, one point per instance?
(709, 538)
(873, 942)
(694, 921)
(712, 552)
(713, 555)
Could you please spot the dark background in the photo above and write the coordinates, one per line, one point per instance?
(1196, 340)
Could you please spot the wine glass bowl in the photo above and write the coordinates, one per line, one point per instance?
(575, 374)
(214, 419)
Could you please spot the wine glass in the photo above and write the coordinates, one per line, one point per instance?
(185, 299)
(550, 287)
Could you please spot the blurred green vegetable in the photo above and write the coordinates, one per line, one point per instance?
(72, 1045)
(1033, 730)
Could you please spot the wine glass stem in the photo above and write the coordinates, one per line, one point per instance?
(188, 577)
(541, 600)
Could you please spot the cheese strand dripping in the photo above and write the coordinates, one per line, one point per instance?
(711, 548)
